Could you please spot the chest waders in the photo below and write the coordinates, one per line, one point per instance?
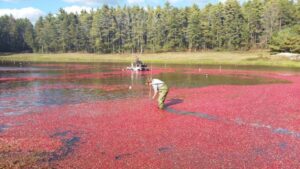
(162, 94)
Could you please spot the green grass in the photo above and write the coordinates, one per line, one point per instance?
(251, 58)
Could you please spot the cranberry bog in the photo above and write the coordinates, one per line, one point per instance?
(100, 116)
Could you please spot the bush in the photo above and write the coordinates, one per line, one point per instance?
(286, 40)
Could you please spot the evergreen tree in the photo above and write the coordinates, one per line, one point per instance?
(106, 31)
(95, 33)
(216, 26)
(253, 12)
(50, 34)
(29, 35)
(176, 26)
(85, 25)
(16, 35)
(151, 36)
(271, 19)
(194, 30)
(39, 40)
(73, 28)
(159, 30)
(286, 40)
(181, 32)
(63, 31)
(233, 25)
(135, 29)
(119, 20)
(7, 24)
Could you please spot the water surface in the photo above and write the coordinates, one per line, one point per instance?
(24, 87)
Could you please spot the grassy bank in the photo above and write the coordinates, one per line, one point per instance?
(255, 58)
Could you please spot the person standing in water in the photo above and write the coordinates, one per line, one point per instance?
(161, 88)
(137, 62)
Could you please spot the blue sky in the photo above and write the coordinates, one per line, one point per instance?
(32, 9)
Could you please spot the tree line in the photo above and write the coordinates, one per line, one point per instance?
(223, 26)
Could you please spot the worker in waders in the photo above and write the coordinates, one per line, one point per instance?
(159, 87)
(137, 62)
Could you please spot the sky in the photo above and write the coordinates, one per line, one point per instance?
(33, 9)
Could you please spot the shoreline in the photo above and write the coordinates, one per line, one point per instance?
(235, 58)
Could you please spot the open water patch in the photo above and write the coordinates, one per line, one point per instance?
(237, 121)
(122, 156)
(195, 114)
(69, 141)
(164, 149)
(3, 127)
(65, 150)
(201, 80)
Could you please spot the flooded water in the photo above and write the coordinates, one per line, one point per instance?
(26, 86)
(58, 115)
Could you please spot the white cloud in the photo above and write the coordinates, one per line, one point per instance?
(135, 1)
(8, 0)
(13, 1)
(92, 2)
(190, 1)
(173, 1)
(77, 9)
(31, 13)
(193, 1)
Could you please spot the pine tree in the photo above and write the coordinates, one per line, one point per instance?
(73, 33)
(7, 33)
(50, 34)
(95, 33)
(182, 21)
(28, 35)
(286, 40)
(176, 24)
(85, 25)
(194, 28)
(151, 45)
(255, 24)
(271, 19)
(63, 31)
(39, 40)
(216, 26)
(253, 12)
(107, 31)
(233, 25)
(159, 30)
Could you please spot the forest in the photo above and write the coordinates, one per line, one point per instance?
(255, 24)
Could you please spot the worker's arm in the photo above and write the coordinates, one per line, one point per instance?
(154, 95)
(155, 91)
(150, 91)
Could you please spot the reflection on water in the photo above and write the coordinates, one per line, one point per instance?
(24, 87)
(200, 80)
